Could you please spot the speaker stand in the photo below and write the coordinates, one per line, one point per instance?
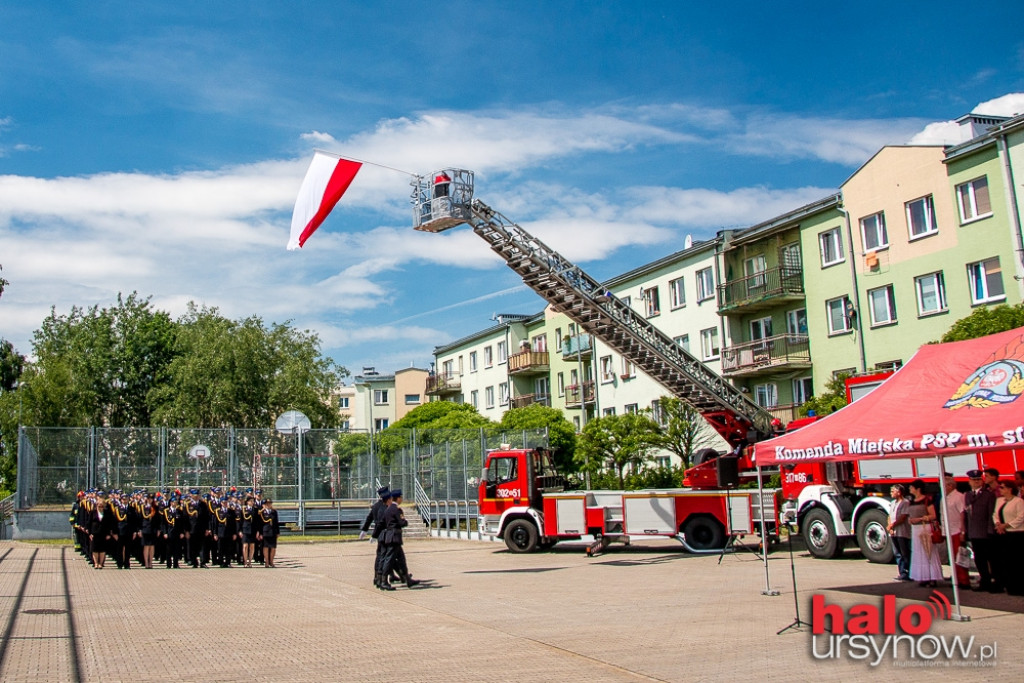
(798, 623)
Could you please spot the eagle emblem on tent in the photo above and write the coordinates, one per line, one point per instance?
(997, 382)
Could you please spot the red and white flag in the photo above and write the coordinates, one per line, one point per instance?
(326, 181)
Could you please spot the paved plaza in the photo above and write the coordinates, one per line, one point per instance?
(648, 612)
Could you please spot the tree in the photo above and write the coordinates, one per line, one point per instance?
(442, 415)
(985, 321)
(832, 400)
(618, 442)
(685, 430)
(561, 433)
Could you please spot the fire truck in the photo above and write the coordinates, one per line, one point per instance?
(522, 499)
(840, 503)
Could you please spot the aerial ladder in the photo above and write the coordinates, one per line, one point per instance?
(444, 200)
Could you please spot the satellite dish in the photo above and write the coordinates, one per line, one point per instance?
(292, 421)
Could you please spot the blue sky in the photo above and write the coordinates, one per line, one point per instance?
(158, 147)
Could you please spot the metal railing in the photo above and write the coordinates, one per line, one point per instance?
(7, 515)
(574, 391)
(768, 353)
(455, 519)
(443, 383)
(530, 399)
(578, 345)
(768, 284)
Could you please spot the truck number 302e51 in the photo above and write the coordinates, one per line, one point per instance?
(508, 493)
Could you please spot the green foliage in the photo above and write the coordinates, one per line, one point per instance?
(685, 431)
(617, 442)
(561, 433)
(442, 415)
(831, 400)
(986, 320)
(644, 478)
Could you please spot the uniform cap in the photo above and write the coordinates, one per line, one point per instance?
(383, 492)
(974, 474)
(396, 493)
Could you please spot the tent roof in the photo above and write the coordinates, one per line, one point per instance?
(959, 397)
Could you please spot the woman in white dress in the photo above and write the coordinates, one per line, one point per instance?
(924, 555)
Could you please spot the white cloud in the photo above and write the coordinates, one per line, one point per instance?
(950, 133)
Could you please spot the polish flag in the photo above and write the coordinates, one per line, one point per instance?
(326, 180)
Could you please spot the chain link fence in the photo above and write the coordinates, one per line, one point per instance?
(54, 463)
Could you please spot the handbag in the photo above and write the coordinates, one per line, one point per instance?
(937, 535)
(964, 557)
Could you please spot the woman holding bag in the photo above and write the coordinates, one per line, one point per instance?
(924, 554)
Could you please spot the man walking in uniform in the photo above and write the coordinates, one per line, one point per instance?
(376, 517)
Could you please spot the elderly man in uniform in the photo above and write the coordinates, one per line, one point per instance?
(979, 504)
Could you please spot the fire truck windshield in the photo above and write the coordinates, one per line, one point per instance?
(543, 465)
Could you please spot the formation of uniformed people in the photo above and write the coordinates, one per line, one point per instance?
(388, 520)
(222, 527)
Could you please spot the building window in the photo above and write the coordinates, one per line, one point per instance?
(380, 423)
(474, 399)
(489, 397)
(973, 199)
(607, 369)
(631, 409)
(558, 340)
(652, 301)
(503, 393)
(986, 280)
(709, 343)
(678, 293)
(343, 402)
(921, 217)
(790, 256)
(658, 414)
(448, 368)
(760, 328)
(684, 341)
(803, 390)
(412, 399)
(488, 357)
(345, 425)
(838, 312)
(872, 230)
(472, 361)
(830, 243)
(561, 384)
(607, 412)
(931, 293)
(540, 343)
(576, 422)
(502, 353)
(796, 321)
(883, 306)
(628, 369)
(766, 395)
(705, 284)
(662, 461)
(889, 365)
(754, 269)
(380, 397)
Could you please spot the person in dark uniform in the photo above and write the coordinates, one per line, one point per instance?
(82, 522)
(979, 504)
(101, 530)
(225, 525)
(126, 531)
(394, 522)
(247, 529)
(376, 517)
(174, 526)
(76, 532)
(257, 505)
(149, 528)
(269, 531)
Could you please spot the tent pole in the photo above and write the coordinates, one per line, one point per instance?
(768, 590)
(958, 616)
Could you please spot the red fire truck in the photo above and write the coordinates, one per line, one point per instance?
(522, 499)
(837, 503)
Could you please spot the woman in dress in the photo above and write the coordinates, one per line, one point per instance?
(101, 525)
(1008, 520)
(924, 555)
(150, 527)
(270, 528)
(248, 528)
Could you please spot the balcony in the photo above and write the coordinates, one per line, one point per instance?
(785, 413)
(444, 383)
(573, 392)
(530, 399)
(527, 362)
(761, 290)
(578, 346)
(765, 356)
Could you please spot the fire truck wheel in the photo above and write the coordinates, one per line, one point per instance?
(704, 533)
(521, 536)
(820, 535)
(873, 538)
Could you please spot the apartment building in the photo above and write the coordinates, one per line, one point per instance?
(917, 238)
(375, 401)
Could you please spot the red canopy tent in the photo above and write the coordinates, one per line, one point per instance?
(949, 399)
(959, 397)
